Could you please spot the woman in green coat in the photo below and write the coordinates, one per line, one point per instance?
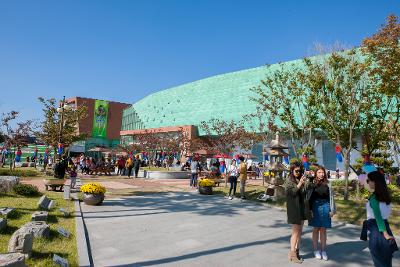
(297, 207)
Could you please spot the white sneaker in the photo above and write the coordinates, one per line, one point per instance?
(324, 256)
(317, 254)
(230, 198)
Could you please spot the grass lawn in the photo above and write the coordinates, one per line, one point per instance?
(21, 172)
(351, 211)
(43, 249)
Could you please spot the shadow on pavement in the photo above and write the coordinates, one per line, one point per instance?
(168, 202)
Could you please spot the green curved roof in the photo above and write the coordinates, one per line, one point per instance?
(226, 97)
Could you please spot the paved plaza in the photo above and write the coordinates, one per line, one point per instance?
(188, 229)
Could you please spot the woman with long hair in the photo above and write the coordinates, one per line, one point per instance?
(297, 208)
(381, 242)
(233, 171)
(321, 213)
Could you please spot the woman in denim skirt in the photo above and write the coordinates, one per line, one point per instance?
(321, 213)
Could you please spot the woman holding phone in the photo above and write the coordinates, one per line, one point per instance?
(297, 208)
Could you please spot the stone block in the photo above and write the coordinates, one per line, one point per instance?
(63, 232)
(38, 229)
(60, 261)
(67, 192)
(3, 224)
(12, 260)
(22, 242)
(6, 211)
(46, 203)
(40, 216)
(51, 204)
(7, 183)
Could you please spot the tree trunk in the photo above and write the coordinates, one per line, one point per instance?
(346, 174)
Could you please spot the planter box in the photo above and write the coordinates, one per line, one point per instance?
(93, 199)
(205, 190)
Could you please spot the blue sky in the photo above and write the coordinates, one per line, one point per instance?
(124, 50)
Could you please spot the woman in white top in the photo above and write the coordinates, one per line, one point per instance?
(381, 242)
(233, 176)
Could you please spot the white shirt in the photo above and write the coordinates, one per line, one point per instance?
(385, 210)
(233, 170)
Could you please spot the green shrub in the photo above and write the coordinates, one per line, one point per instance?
(338, 183)
(394, 192)
(19, 173)
(26, 190)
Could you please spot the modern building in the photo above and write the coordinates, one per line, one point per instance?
(102, 125)
(226, 97)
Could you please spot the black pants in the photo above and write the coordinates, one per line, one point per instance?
(129, 171)
(233, 182)
(136, 172)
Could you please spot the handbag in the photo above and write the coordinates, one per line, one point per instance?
(332, 204)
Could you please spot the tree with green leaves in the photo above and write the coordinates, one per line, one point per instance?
(224, 137)
(49, 131)
(339, 93)
(282, 102)
(382, 51)
(14, 136)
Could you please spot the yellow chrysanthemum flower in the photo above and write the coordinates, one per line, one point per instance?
(93, 188)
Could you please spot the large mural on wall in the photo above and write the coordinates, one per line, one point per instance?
(100, 119)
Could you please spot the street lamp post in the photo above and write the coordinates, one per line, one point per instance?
(60, 110)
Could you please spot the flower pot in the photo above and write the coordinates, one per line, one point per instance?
(205, 190)
(93, 199)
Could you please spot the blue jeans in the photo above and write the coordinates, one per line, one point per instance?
(193, 179)
(378, 246)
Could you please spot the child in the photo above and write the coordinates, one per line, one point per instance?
(73, 174)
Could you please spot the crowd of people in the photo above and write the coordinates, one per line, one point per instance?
(309, 197)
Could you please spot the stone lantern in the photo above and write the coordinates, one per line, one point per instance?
(274, 182)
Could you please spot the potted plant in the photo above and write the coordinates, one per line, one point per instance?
(205, 186)
(93, 193)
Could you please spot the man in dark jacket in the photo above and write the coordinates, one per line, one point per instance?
(136, 165)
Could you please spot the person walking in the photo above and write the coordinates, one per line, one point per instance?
(194, 169)
(129, 166)
(233, 176)
(136, 165)
(381, 242)
(242, 177)
(72, 175)
(121, 165)
(321, 212)
(296, 207)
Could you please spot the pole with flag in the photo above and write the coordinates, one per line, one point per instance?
(306, 164)
(338, 150)
(60, 149)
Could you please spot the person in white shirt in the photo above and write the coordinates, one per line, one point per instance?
(233, 176)
(381, 242)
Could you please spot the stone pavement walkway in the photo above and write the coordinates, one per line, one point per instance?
(188, 229)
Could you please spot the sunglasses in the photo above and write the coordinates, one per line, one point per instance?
(367, 181)
(297, 171)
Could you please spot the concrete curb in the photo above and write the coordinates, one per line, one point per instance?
(84, 253)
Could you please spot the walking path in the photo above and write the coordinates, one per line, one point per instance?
(188, 229)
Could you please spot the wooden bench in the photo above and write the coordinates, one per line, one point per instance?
(54, 184)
